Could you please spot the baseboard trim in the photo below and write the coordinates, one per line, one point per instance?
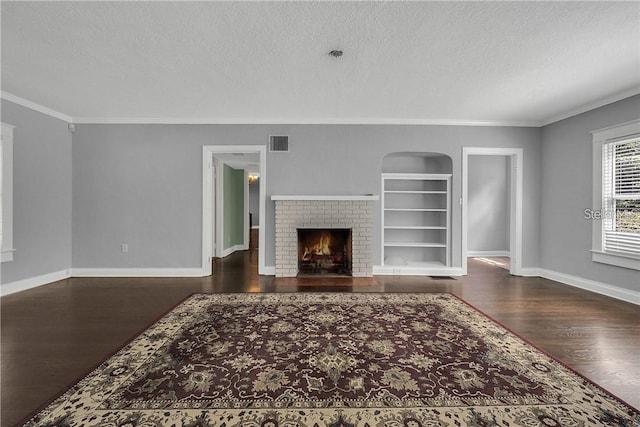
(567, 279)
(383, 270)
(488, 253)
(136, 272)
(592, 285)
(33, 282)
(530, 272)
(268, 270)
(232, 249)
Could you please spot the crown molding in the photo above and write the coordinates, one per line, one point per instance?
(592, 106)
(306, 121)
(264, 121)
(320, 121)
(36, 107)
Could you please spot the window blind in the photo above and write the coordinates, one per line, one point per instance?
(621, 196)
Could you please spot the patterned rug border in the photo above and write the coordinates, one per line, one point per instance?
(166, 312)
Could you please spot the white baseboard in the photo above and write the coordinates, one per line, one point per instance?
(404, 270)
(255, 227)
(34, 282)
(567, 279)
(488, 253)
(232, 249)
(591, 285)
(530, 272)
(268, 270)
(136, 272)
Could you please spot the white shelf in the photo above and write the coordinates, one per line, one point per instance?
(415, 210)
(416, 222)
(415, 227)
(417, 268)
(418, 264)
(416, 176)
(414, 192)
(414, 245)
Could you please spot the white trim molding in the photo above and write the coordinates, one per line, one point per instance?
(408, 270)
(208, 152)
(36, 107)
(619, 260)
(136, 272)
(616, 131)
(6, 192)
(269, 270)
(516, 195)
(318, 121)
(245, 212)
(34, 282)
(530, 272)
(353, 198)
(591, 106)
(232, 249)
(46, 279)
(601, 137)
(592, 286)
(488, 253)
(305, 121)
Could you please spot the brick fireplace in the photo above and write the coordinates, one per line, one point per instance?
(354, 213)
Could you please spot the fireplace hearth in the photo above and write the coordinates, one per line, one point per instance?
(324, 251)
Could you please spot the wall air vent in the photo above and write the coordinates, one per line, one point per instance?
(279, 143)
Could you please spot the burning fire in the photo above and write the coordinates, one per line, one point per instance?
(320, 248)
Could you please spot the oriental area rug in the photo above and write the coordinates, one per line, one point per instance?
(331, 359)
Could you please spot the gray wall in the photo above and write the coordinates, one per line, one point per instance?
(567, 182)
(142, 184)
(254, 203)
(233, 221)
(41, 194)
(488, 203)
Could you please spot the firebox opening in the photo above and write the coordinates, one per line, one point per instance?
(324, 251)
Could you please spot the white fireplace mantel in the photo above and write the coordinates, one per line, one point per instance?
(354, 198)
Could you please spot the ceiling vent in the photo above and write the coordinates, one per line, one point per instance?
(279, 143)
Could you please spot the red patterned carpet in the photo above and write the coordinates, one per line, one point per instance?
(331, 360)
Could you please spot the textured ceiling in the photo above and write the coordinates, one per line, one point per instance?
(257, 62)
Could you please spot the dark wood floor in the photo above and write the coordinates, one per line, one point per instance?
(54, 334)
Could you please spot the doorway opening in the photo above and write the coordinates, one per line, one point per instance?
(492, 227)
(225, 183)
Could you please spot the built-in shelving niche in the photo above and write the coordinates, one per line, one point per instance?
(416, 213)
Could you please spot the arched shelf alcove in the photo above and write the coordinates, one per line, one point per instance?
(416, 214)
(417, 162)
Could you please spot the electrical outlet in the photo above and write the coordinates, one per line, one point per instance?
(125, 247)
(396, 271)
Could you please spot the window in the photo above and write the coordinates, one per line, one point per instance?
(621, 196)
(6, 178)
(616, 211)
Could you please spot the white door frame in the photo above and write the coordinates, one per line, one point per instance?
(208, 152)
(515, 209)
(247, 224)
(217, 187)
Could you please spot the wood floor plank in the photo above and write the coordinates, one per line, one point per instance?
(54, 334)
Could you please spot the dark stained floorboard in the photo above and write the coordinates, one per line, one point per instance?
(54, 334)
